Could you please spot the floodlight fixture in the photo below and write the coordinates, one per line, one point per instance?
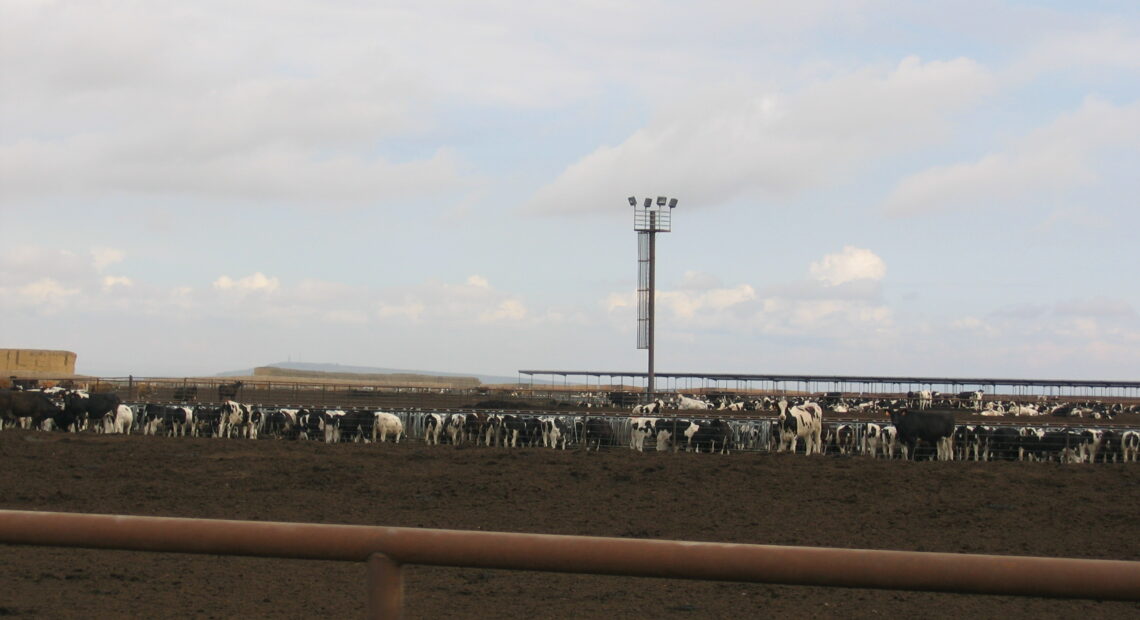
(661, 201)
(633, 201)
(672, 203)
(648, 202)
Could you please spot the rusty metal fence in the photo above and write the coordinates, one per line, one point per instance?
(386, 549)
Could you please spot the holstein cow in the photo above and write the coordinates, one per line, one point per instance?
(281, 423)
(880, 439)
(120, 421)
(330, 419)
(709, 435)
(684, 402)
(238, 419)
(524, 428)
(933, 427)
(178, 421)
(670, 433)
(456, 428)
(657, 406)
(844, 437)
(386, 424)
(433, 427)
(1129, 446)
(921, 399)
(639, 430)
(555, 431)
(801, 421)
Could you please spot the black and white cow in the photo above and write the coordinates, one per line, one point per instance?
(670, 433)
(310, 424)
(433, 427)
(653, 408)
(1129, 446)
(555, 431)
(239, 420)
(844, 437)
(800, 422)
(176, 421)
(880, 439)
(639, 430)
(456, 428)
(281, 423)
(522, 429)
(385, 424)
(708, 436)
(119, 422)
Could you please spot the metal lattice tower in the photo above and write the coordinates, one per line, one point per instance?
(648, 220)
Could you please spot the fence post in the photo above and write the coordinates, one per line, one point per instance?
(385, 588)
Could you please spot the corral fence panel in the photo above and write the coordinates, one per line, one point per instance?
(386, 549)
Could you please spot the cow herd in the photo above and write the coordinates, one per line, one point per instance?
(908, 428)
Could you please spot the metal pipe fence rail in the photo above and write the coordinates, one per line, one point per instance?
(386, 549)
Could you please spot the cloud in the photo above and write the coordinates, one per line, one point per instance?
(110, 282)
(257, 282)
(849, 265)
(833, 305)
(45, 293)
(105, 257)
(746, 142)
(1051, 159)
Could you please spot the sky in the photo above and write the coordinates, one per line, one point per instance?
(934, 188)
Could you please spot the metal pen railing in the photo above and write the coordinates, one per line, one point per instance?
(386, 549)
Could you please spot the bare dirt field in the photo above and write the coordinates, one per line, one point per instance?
(1085, 511)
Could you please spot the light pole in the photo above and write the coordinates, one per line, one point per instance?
(648, 220)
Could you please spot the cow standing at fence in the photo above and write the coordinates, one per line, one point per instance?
(119, 422)
(27, 409)
(385, 424)
(933, 427)
(85, 407)
(800, 422)
(238, 419)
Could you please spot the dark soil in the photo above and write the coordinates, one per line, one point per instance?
(999, 508)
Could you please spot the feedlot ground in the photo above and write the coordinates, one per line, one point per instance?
(1000, 508)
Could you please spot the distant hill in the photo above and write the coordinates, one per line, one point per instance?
(368, 370)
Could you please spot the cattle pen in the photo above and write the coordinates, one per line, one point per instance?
(386, 549)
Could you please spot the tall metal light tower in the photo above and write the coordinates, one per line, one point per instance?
(648, 220)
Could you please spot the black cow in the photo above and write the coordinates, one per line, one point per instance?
(597, 431)
(84, 407)
(355, 425)
(16, 406)
(228, 391)
(186, 393)
(933, 427)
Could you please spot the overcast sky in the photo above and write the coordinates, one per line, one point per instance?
(900, 188)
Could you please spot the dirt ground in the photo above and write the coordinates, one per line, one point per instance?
(1001, 508)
